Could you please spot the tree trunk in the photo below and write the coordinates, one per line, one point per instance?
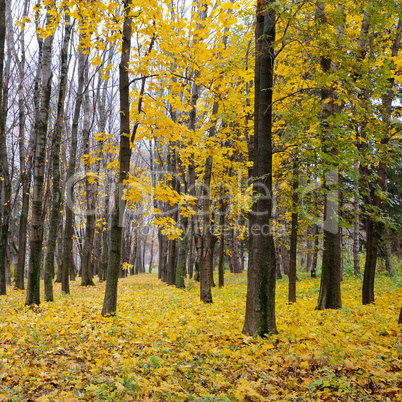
(24, 176)
(151, 257)
(221, 266)
(261, 275)
(69, 223)
(182, 259)
(293, 236)
(372, 226)
(33, 287)
(400, 317)
(56, 200)
(113, 270)
(4, 169)
(235, 252)
(90, 192)
(316, 233)
(356, 240)
(330, 285)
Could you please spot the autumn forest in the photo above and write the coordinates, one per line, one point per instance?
(200, 201)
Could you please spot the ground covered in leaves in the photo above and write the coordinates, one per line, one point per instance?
(164, 345)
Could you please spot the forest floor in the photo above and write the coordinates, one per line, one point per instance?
(165, 345)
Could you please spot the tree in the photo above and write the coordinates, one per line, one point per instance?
(113, 269)
(4, 170)
(69, 223)
(330, 285)
(261, 274)
(56, 196)
(41, 128)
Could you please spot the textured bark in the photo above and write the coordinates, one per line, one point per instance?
(113, 269)
(235, 252)
(35, 258)
(400, 317)
(293, 237)
(56, 196)
(221, 263)
(90, 192)
(375, 200)
(68, 226)
(24, 176)
(182, 255)
(4, 169)
(313, 273)
(330, 285)
(330, 288)
(206, 239)
(261, 275)
(356, 240)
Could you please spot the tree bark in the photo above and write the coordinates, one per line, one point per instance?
(356, 240)
(56, 199)
(69, 223)
(24, 176)
(375, 200)
(113, 270)
(261, 275)
(33, 287)
(330, 285)
(4, 169)
(293, 236)
(90, 192)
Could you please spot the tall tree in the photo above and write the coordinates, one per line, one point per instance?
(24, 166)
(372, 225)
(68, 263)
(56, 196)
(41, 128)
(330, 285)
(113, 269)
(261, 275)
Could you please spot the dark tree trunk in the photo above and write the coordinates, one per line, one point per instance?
(400, 317)
(356, 240)
(4, 169)
(261, 275)
(330, 286)
(110, 299)
(56, 196)
(24, 176)
(90, 192)
(313, 273)
(221, 263)
(35, 259)
(60, 250)
(375, 200)
(371, 260)
(182, 255)
(235, 252)
(69, 223)
(293, 237)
